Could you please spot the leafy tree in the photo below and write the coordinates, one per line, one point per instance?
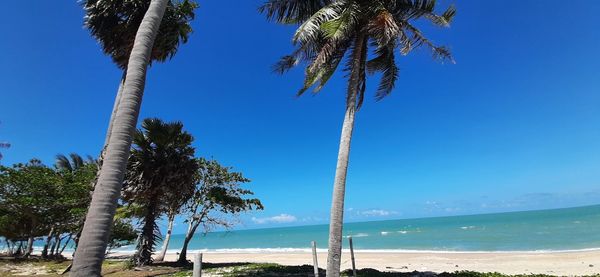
(27, 201)
(218, 196)
(161, 169)
(332, 31)
(123, 233)
(96, 231)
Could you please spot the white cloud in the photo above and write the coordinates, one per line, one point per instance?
(282, 218)
(375, 212)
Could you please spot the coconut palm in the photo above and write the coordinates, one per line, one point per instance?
(114, 24)
(331, 31)
(89, 255)
(161, 167)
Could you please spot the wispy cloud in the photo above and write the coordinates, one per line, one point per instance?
(376, 212)
(282, 218)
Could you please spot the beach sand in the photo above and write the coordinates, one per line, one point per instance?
(552, 263)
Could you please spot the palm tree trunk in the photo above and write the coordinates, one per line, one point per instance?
(165, 246)
(99, 219)
(334, 253)
(146, 241)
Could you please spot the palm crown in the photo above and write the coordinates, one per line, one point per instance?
(330, 29)
(114, 23)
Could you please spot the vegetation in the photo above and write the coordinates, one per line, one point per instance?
(217, 197)
(161, 171)
(39, 202)
(164, 178)
(332, 31)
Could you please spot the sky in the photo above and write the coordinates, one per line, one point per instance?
(512, 125)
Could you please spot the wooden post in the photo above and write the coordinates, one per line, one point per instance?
(315, 261)
(197, 272)
(352, 256)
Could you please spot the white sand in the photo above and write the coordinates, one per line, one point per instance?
(553, 263)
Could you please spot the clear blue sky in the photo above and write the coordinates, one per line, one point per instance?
(513, 125)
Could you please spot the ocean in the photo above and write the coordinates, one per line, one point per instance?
(545, 230)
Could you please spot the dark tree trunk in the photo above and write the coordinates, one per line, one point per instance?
(146, 242)
(47, 244)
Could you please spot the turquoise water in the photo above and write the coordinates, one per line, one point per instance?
(546, 230)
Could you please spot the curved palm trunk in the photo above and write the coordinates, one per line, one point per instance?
(165, 246)
(90, 252)
(334, 253)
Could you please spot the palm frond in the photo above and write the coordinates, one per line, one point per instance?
(63, 163)
(310, 30)
(418, 39)
(385, 63)
(291, 11)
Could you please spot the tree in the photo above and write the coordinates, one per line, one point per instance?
(114, 23)
(77, 175)
(28, 195)
(331, 30)
(89, 255)
(161, 172)
(217, 197)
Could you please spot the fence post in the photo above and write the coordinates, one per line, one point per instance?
(352, 256)
(315, 261)
(197, 272)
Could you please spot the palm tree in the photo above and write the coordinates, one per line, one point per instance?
(330, 30)
(114, 23)
(74, 163)
(89, 255)
(161, 167)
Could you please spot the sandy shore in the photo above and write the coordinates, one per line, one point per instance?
(555, 263)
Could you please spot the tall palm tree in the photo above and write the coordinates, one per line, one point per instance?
(89, 255)
(114, 23)
(161, 167)
(331, 30)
